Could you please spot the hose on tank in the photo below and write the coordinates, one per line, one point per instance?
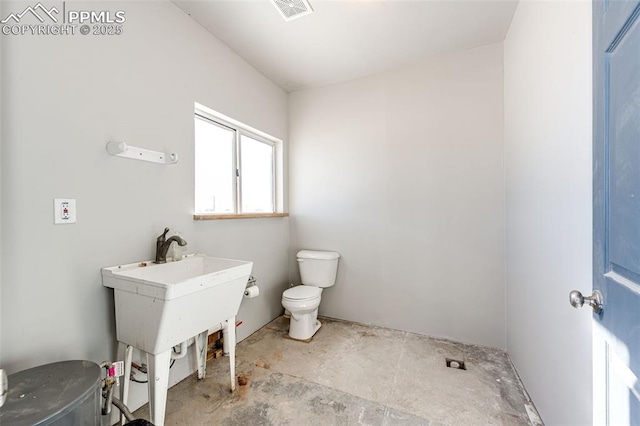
(123, 409)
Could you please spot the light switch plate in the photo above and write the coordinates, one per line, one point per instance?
(64, 210)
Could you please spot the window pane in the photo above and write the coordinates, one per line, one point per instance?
(256, 175)
(214, 169)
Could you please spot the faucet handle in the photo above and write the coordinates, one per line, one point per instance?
(163, 237)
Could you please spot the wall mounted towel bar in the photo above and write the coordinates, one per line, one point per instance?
(121, 149)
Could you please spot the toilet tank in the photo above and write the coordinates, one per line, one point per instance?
(318, 268)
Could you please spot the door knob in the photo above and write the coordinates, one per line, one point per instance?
(595, 300)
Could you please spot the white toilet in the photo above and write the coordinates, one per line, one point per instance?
(318, 269)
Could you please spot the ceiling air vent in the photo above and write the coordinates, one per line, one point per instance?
(292, 9)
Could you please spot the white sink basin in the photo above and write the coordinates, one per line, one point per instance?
(160, 305)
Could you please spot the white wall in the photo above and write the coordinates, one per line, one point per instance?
(548, 204)
(63, 99)
(402, 173)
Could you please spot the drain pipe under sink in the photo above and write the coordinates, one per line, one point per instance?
(181, 350)
(225, 339)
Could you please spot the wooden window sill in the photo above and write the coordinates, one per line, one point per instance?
(237, 216)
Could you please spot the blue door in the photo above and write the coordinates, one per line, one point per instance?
(616, 166)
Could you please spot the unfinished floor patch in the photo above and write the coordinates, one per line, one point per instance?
(353, 374)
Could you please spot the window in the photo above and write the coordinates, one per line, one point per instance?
(235, 168)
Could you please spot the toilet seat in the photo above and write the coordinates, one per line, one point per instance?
(302, 293)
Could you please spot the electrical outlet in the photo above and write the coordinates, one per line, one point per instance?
(64, 210)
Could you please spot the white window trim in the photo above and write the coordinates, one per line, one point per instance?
(278, 163)
(239, 134)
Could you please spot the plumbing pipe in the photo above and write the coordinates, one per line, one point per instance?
(181, 353)
(108, 399)
(219, 326)
(106, 385)
(225, 339)
(123, 409)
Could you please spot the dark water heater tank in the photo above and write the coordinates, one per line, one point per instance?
(62, 393)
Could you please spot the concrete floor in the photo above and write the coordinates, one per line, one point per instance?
(352, 374)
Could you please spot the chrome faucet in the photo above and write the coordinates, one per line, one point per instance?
(163, 243)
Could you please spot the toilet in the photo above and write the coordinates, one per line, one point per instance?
(318, 270)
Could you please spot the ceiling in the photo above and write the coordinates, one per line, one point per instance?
(348, 39)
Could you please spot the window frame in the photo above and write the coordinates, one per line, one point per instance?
(240, 130)
(238, 154)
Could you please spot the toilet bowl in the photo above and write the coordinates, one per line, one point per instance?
(318, 270)
(302, 302)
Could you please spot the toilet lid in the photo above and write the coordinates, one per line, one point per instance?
(302, 292)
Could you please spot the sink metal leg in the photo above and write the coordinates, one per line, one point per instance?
(158, 375)
(128, 358)
(231, 336)
(201, 354)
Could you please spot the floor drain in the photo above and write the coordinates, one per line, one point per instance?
(454, 363)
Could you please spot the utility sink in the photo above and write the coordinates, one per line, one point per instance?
(160, 305)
